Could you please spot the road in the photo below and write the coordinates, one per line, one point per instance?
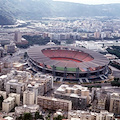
(116, 72)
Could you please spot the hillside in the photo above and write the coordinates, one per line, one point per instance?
(35, 9)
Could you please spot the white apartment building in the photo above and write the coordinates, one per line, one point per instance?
(4, 94)
(8, 104)
(115, 103)
(77, 94)
(53, 103)
(14, 86)
(26, 109)
(86, 115)
(28, 97)
(17, 98)
(37, 88)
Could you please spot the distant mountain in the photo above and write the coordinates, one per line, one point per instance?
(35, 9)
(77, 10)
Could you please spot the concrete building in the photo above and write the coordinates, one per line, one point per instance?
(1, 66)
(21, 76)
(4, 94)
(26, 109)
(17, 98)
(115, 103)
(77, 94)
(37, 88)
(4, 41)
(3, 80)
(47, 80)
(14, 81)
(53, 103)
(1, 51)
(105, 115)
(18, 36)
(78, 102)
(101, 103)
(28, 97)
(8, 104)
(97, 35)
(14, 86)
(86, 115)
(107, 98)
(11, 48)
(18, 66)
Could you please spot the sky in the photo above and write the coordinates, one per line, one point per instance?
(92, 1)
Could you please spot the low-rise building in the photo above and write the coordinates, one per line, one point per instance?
(115, 103)
(86, 115)
(14, 86)
(107, 98)
(3, 80)
(77, 94)
(8, 104)
(18, 66)
(21, 76)
(17, 98)
(46, 79)
(37, 88)
(26, 109)
(40, 84)
(105, 115)
(4, 94)
(11, 48)
(101, 103)
(53, 103)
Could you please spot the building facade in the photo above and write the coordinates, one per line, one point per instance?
(28, 97)
(53, 103)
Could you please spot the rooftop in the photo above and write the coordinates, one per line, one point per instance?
(9, 99)
(36, 54)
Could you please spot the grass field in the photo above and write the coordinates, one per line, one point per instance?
(68, 69)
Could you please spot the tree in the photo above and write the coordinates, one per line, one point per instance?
(59, 117)
(41, 117)
(19, 118)
(27, 116)
(1, 100)
(37, 115)
(11, 54)
(25, 55)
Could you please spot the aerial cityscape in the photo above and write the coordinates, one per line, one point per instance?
(57, 62)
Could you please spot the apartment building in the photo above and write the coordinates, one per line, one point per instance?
(8, 104)
(28, 97)
(115, 103)
(53, 103)
(77, 94)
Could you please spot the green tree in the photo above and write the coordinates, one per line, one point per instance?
(37, 115)
(27, 116)
(19, 118)
(25, 55)
(41, 117)
(59, 117)
(1, 100)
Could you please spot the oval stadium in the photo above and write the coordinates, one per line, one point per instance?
(68, 63)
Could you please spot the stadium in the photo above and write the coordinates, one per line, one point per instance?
(68, 63)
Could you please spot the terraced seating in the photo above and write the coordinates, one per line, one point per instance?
(67, 54)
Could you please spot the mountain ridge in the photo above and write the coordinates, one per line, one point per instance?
(35, 9)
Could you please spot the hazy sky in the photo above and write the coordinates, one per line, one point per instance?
(92, 1)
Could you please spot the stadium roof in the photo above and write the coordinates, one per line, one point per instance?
(36, 54)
